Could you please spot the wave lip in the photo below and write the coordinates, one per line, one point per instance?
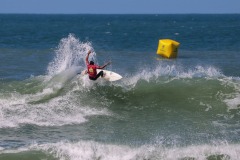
(172, 72)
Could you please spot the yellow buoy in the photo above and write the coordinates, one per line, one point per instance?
(168, 48)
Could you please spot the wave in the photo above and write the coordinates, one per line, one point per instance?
(172, 72)
(42, 100)
(62, 97)
(202, 80)
(94, 150)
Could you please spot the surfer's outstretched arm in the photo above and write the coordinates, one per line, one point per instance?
(87, 62)
(101, 67)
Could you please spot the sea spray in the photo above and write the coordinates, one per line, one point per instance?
(69, 61)
(69, 53)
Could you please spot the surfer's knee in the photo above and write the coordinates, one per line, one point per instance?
(101, 74)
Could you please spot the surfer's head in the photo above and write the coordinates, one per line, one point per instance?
(91, 63)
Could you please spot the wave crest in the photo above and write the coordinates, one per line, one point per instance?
(69, 53)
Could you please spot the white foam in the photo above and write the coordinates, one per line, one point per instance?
(86, 150)
(70, 52)
(231, 99)
(203, 151)
(233, 103)
(172, 72)
(58, 111)
(208, 106)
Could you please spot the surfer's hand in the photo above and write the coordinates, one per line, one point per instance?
(106, 64)
(89, 52)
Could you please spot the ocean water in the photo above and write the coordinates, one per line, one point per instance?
(186, 108)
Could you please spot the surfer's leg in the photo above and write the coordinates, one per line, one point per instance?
(99, 74)
(102, 74)
(93, 78)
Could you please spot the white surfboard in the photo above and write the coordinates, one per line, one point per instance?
(108, 75)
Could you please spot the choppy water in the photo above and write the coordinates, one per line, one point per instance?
(184, 108)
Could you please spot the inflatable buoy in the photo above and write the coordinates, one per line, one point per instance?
(168, 48)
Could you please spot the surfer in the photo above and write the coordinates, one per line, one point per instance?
(92, 68)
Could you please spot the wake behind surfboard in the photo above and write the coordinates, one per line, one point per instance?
(108, 75)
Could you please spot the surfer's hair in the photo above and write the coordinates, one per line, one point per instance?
(91, 63)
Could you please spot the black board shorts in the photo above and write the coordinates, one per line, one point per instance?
(97, 76)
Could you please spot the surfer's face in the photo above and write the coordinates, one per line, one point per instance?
(91, 62)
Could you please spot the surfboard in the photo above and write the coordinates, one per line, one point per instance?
(108, 75)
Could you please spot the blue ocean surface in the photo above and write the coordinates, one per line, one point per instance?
(186, 108)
